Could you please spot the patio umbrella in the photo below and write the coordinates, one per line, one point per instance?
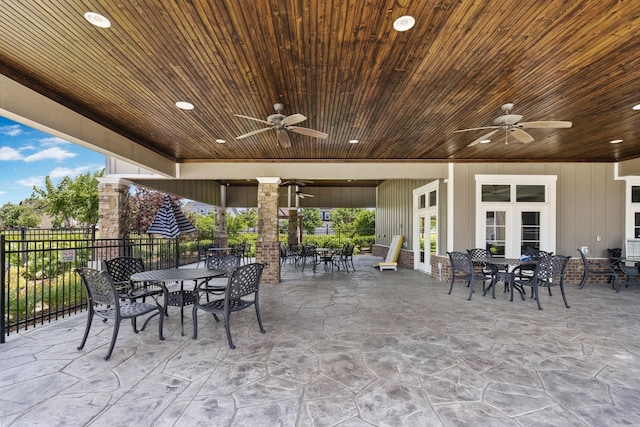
(170, 221)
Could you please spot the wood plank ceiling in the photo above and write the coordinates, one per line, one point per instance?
(342, 65)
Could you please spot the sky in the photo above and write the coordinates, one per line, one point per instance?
(27, 156)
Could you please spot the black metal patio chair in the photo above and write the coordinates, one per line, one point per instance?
(122, 268)
(462, 269)
(103, 300)
(547, 273)
(242, 291)
(591, 270)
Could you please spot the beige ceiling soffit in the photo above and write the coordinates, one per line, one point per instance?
(627, 168)
(312, 170)
(23, 105)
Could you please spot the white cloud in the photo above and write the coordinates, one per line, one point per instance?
(31, 181)
(3, 192)
(62, 172)
(53, 141)
(11, 130)
(54, 153)
(8, 153)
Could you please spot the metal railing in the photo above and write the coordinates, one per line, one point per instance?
(39, 283)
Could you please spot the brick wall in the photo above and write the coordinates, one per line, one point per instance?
(267, 245)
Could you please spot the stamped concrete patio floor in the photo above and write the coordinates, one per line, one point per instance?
(368, 348)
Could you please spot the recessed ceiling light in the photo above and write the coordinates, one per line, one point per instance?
(353, 141)
(615, 141)
(485, 141)
(404, 23)
(183, 105)
(97, 20)
(636, 107)
(220, 141)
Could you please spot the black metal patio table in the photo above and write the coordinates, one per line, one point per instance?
(506, 264)
(182, 297)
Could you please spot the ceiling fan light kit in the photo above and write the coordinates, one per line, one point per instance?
(283, 124)
(512, 125)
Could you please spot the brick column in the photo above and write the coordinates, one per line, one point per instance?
(113, 215)
(292, 231)
(268, 246)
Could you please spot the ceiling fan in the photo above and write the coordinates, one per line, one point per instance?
(282, 124)
(297, 182)
(303, 195)
(512, 126)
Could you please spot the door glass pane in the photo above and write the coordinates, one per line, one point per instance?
(530, 193)
(432, 199)
(530, 232)
(433, 234)
(496, 193)
(496, 227)
(422, 201)
(635, 194)
(421, 231)
(636, 225)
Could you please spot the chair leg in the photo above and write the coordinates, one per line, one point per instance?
(116, 328)
(471, 285)
(87, 327)
(564, 297)
(258, 316)
(535, 291)
(195, 321)
(228, 330)
(160, 323)
(453, 277)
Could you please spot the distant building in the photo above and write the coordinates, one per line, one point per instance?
(198, 207)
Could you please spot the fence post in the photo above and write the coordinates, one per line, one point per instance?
(177, 253)
(2, 285)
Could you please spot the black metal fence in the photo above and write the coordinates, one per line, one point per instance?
(39, 283)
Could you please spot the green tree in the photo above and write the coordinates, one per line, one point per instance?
(73, 198)
(13, 216)
(365, 220)
(206, 224)
(343, 218)
(311, 219)
(235, 224)
(249, 217)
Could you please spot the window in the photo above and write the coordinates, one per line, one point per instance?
(514, 213)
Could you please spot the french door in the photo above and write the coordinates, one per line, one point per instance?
(509, 232)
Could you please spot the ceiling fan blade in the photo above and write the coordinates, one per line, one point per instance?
(483, 137)
(283, 139)
(309, 132)
(545, 124)
(303, 195)
(253, 132)
(484, 127)
(293, 119)
(254, 119)
(521, 135)
(297, 182)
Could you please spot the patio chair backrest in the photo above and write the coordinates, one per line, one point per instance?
(100, 287)
(121, 268)
(552, 267)
(224, 262)
(460, 261)
(244, 281)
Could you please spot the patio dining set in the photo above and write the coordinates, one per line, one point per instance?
(120, 290)
(313, 256)
(535, 269)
